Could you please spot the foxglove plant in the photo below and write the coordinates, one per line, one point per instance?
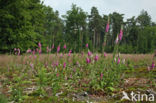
(105, 54)
(87, 45)
(32, 65)
(118, 60)
(64, 65)
(96, 58)
(40, 48)
(105, 37)
(33, 52)
(101, 76)
(56, 64)
(70, 51)
(15, 51)
(48, 49)
(89, 53)
(120, 35)
(65, 47)
(61, 55)
(153, 65)
(52, 46)
(29, 51)
(58, 49)
(39, 45)
(88, 60)
(107, 27)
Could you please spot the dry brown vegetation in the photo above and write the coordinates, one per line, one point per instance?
(7, 59)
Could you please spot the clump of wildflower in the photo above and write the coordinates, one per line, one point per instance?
(120, 35)
(58, 49)
(52, 46)
(96, 58)
(64, 46)
(40, 48)
(48, 49)
(29, 51)
(32, 65)
(101, 75)
(105, 54)
(70, 51)
(118, 61)
(33, 52)
(153, 65)
(61, 55)
(89, 53)
(107, 27)
(87, 45)
(18, 51)
(64, 65)
(88, 60)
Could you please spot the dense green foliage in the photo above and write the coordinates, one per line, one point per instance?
(24, 23)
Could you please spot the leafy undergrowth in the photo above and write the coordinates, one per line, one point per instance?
(72, 79)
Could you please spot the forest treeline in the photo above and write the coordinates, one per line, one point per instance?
(24, 23)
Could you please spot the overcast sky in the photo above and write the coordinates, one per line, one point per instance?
(128, 7)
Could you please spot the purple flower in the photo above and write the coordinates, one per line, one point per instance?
(105, 54)
(153, 65)
(118, 61)
(33, 52)
(107, 27)
(39, 45)
(18, 51)
(15, 51)
(39, 51)
(120, 35)
(70, 51)
(29, 51)
(52, 46)
(56, 64)
(61, 55)
(64, 46)
(47, 49)
(35, 56)
(32, 65)
(96, 58)
(87, 45)
(58, 49)
(101, 75)
(89, 53)
(64, 65)
(88, 60)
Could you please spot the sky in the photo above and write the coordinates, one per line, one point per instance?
(128, 7)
